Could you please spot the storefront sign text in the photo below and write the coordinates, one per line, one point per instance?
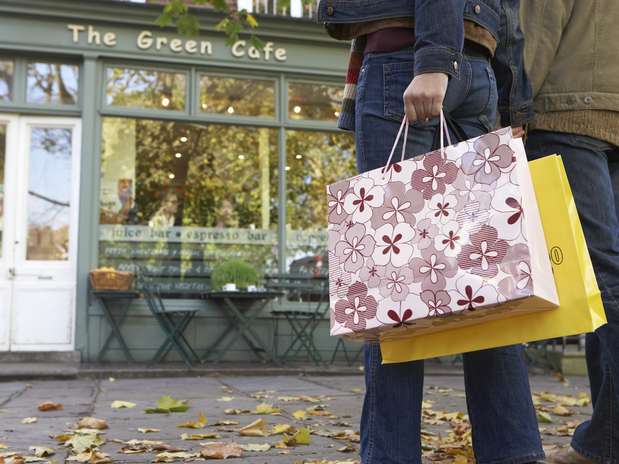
(148, 40)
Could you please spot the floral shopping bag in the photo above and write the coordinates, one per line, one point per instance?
(447, 239)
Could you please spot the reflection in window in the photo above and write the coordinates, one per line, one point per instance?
(236, 96)
(314, 160)
(49, 194)
(319, 102)
(52, 83)
(2, 156)
(145, 88)
(182, 196)
(6, 80)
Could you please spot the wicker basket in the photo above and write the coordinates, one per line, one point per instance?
(103, 279)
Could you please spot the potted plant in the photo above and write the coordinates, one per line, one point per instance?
(234, 274)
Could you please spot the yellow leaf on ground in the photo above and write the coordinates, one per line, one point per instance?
(91, 457)
(255, 429)
(236, 412)
(147, 430)
(168, 456)
(122, 404)
(199, 424)
(92, 423)
(218, 450)
(49, 406)
(256, 447)
(562, 411)
(166, 405)
(265, 408)
(278, 429)
(2, 446)
(544, 417)
(300, 414)
(226, 423)
(300, 437)
(29, 420)
(357, 390)
(226, 399)
(41, 451)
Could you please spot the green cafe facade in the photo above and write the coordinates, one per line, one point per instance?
(125, 144)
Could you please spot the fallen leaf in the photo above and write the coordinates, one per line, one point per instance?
(255, 429)
(41, 451)
(122, 405)
(92, 423)
(300, 414)
(63, 437)
(2, 446)
(544, 417)
(218, 450)
(319, 411)
(256, 447)
(168, 456)
(236, 412)
(147, 430)
(146, 446)
(265, 408)
(226, 423)
(82, 443)
(49, 406)
(92, 457)
(29, 420)
(357, 390)
(226, 399)
(198, 436)
(278, 429)
(300, 437)
(166, 404)
(347, 449)
(562, 411)
(199, 424)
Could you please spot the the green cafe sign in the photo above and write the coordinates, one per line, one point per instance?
(147, 40)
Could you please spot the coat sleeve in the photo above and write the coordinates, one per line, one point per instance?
(543, 23)
(439, 36)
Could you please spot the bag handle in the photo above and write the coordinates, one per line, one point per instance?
(443, 130)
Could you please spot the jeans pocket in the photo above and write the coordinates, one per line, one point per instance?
(396, 78)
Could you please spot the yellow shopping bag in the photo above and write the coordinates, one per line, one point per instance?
(580, 309)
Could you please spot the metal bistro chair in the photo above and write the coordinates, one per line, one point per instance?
(304, 318)
(173, 322)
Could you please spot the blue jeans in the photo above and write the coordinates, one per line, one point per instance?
(498, 394)
(592, 168)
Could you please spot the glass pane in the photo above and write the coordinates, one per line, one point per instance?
(2, 157)
(49, 194)
(6, 80)
(319, 102)
(180, 197)
(145, 88)
(315, 160)
(240, 97)
(53, 83)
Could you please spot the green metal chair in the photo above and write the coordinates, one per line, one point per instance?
(305, 306)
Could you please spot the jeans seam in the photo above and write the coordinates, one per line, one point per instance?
(372, 394)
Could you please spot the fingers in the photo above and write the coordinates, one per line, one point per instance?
(423, 99)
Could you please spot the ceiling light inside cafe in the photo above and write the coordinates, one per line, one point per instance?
(297, 109)
(171, 176)
(179, 155)
(165, 101)
(183, 139)
(231, 110)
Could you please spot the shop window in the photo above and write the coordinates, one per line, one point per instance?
(317, 102)
(234, 96)
(6, 80)
(145, 88)
(180, 197)
(314, 160)
(50, 83)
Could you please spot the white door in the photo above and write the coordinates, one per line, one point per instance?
(39, 241)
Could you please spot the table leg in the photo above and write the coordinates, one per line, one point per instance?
(115, 333)
(242, 326)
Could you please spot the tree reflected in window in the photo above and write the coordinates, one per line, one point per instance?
(145, 88)
(237, 97)
(52, 83)
(7, 69)
(317, 102)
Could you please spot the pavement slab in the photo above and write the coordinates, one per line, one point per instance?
(341, 395)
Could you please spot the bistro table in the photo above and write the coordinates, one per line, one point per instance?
(122, 300)
(240, 318)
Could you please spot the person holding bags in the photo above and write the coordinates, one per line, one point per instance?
(416, 57)
(573, 62)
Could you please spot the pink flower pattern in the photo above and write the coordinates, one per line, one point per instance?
(430, 237)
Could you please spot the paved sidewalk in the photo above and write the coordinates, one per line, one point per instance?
(342, 395)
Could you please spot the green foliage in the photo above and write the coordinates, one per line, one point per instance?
(176, 13)
(235, 271)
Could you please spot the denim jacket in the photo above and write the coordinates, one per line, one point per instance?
(439, 39)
